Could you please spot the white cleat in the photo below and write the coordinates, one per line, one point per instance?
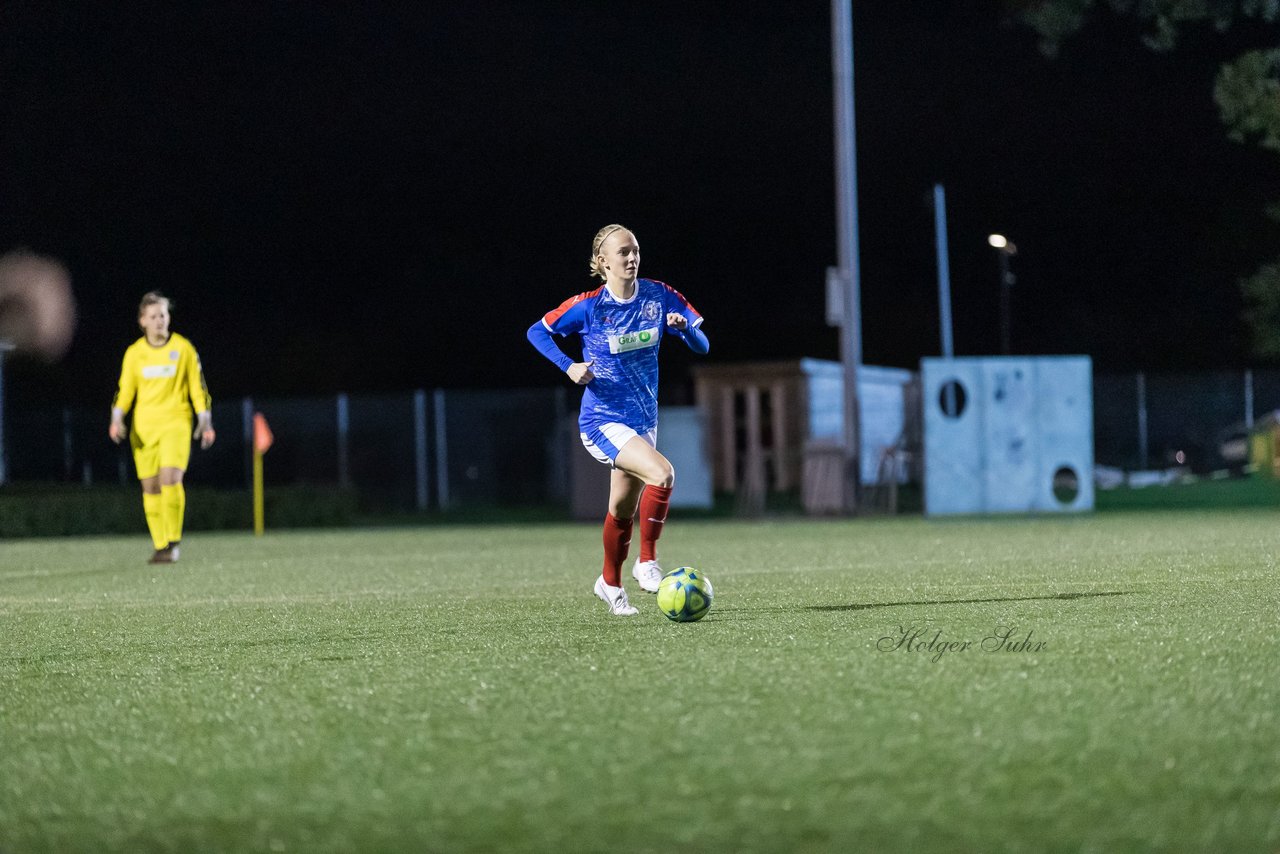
(615, 598)
(648, 573)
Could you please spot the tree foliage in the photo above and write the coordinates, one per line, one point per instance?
(1056, 20)
(1262, 294)
(1247, 92)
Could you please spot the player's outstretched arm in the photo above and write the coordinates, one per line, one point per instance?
(579, 372)
(542, 341)
(693, 336)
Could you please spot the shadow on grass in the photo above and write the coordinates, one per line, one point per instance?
(1049, 597)
(867, 606)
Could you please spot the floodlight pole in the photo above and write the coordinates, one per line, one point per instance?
(1006, 313)
(944, 289)
(847, 245)
(944, 269)
(1006, 249)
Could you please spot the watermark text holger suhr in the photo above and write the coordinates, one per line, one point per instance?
(928, 641)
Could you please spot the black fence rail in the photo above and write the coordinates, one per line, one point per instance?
(443, 449)
(420, 450)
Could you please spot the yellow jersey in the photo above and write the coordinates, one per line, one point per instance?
(162, 379)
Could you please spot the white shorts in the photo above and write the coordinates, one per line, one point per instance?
(604, 441)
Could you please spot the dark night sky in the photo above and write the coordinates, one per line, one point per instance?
(383, 196)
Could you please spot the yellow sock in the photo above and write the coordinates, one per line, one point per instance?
(175, 507)
(151, 506)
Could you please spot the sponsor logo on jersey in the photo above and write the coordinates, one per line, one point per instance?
(155, 372)
(638, 340)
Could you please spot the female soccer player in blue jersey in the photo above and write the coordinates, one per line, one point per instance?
(162, 372)
(621, 324)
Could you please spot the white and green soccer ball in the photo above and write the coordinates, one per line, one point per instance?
(684, 595)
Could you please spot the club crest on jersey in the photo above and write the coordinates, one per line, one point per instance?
(628, 341)
(173, 355)
(651, 310)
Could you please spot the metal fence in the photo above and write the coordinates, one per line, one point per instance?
(437, 449)
(1151, 420)
(421, 450)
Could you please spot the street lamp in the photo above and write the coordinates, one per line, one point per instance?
(1006, 250)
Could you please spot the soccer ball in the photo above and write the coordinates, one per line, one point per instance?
(684, 595)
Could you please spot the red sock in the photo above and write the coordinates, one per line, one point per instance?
(654, 505)
(617, 540)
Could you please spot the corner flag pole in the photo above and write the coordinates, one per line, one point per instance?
(262, 440)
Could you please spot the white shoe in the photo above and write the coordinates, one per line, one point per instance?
(615, 598)
(648, 573)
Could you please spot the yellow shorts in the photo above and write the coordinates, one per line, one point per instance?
(163, 445)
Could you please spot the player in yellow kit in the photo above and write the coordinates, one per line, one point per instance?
(161, 372)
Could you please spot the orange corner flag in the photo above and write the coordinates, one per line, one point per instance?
(262, 437)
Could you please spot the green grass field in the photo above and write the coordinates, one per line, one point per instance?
(458, 688)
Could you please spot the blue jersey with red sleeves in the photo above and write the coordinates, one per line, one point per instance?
(620, 338)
